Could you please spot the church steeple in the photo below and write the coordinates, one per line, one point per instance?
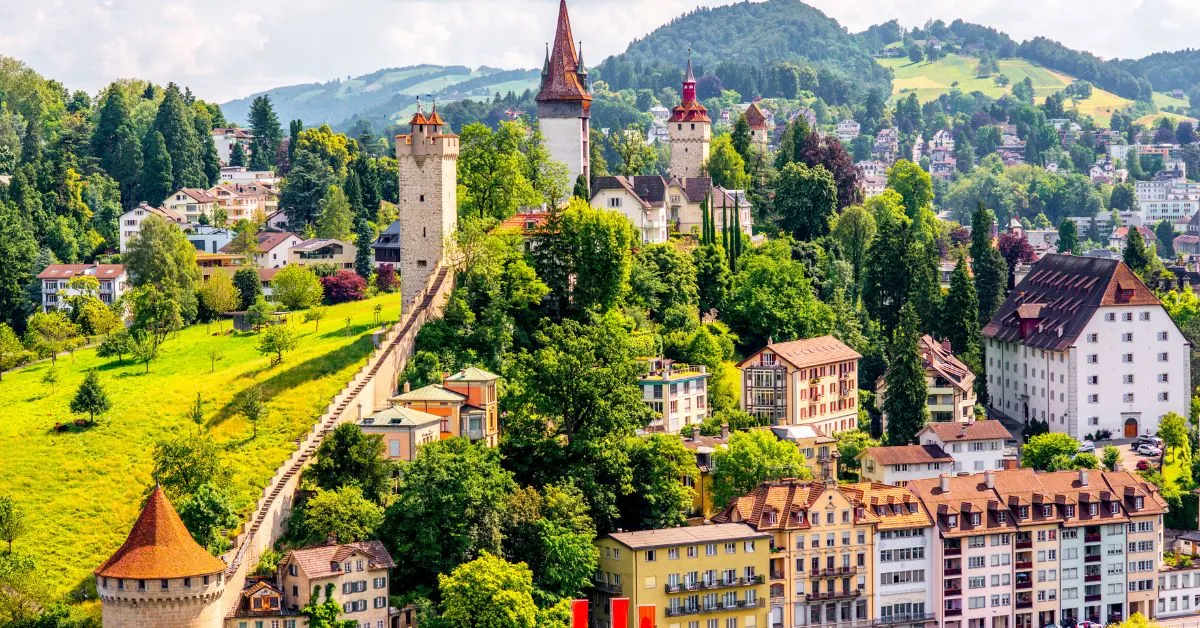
(689, 82)
(561, 79)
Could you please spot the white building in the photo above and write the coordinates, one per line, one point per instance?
(208, 239)
(677, 393)
(1084, 345)
(131, 221)
(903, 566)
(273, 248)
(55, 279)
(245, 176)
(1178, 591)
(191, 203)
(1167, 198)
(897, 465)
(225, 139)
(847, 131)
(643, 200)
(974, 445)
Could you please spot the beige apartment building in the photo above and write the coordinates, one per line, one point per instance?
(358, 573)
(803, 382)
(949, 383)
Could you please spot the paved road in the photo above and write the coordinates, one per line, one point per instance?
(1186, 621)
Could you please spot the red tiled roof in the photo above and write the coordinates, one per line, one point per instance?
(434, 118)
(522, 219)
(690, 111)
(561, 82)
(810, 351)
(200, 196)
(418, 118)
(159, 546)
(774, 505)
(317, 562)
(1068, 289)
(67, 271)
(906, 454)
(974, 430)
(755, 117)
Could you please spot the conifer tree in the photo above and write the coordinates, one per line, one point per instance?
(904, 401)
(1068, 236)
(363, 237)
(210, 161)
(267, 134)
(336, 219)
(156, 182)
(354, 194)
(741, 137)
(960, 322)
(988, 265)
(174, 122)
(1137, 256)
(237, 155)
(126, 164)
(90, 398)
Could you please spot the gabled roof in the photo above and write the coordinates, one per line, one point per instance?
(560, 81)
(809, 351)
(267, 240)
(647, 190)
(775, 505)
(473, 374)
(318, 562)
(198, 195)
(755, 117)
(972, 430)
(894, 507)
(161, 212)
(1068, 289)
(432, 392)
(159, 546)
(399, 416)
(317, 243)
(906, 454)
(938, 357)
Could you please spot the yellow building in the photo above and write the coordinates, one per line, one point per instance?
(822, 541)
(693, 576)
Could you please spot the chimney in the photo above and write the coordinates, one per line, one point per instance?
(944, 482)
(331, 539)
(1008, 464)
(946, 346)
(407, 387)
(724, 430)
(989, 479)
(1083, 477)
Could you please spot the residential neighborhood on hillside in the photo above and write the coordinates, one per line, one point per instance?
(800, 327)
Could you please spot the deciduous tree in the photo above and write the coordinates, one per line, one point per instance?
(1068, 237)
(296, 288)
(805, 199)
(1040, 450)
(752, 458)
(12, 521)
(277, 340)
(336, 220)
(488, 591)
(219, 295)
(344, 512)
(349, 457)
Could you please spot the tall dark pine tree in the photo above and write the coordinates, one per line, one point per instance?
(294, 129)
(114, 112)
(368, 179)
(904, 402)
(363, 237)
(174, 123)
(156, 184)
(892, 258)
(960, 318)
(125, 164)
(353, 189)
(741, 138)
(237, 155)
(1138, 256)
(989, 267)
(791, 145)
(267, 133)
(210, 162)
(926, 290)
(18, 249)
(1068, 236)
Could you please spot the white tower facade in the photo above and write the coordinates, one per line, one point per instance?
(564, 103)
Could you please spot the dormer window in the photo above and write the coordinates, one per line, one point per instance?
(1068, 511)
(1001, 517)
(1114, 508)
(952, 521)
(1138, 503)
(335, 566)
(1023, 512)
(1093, 509)
(975, 519)
(1047, 511)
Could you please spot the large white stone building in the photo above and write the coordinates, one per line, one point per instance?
(1084, 345)
(1167, 197)
(564, 104)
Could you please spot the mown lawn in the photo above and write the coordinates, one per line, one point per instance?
(82, 490)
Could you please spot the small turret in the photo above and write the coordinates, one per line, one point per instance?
(582, 72)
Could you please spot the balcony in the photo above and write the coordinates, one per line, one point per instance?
(1025, 604)
(604, 587)
(1091, 558)
(1022, 545)
(953, 551)
(834, 595)
(1021, 586)
(714, 584)
(834, 571)
(681, 611)
(1024, 565)
(907, 618)
(1092, 578)
(1091, 598)
(952, 592)
(952, 571)
(1092, 537)
(777, 575)
(953, 612)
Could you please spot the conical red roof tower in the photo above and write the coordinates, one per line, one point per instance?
(159, 546)
(560, 74)
(690, 109)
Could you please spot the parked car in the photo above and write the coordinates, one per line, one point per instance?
(1146, 439)
(1088, 624)
(1148, 450)
(1087, 446)
(1142, 465)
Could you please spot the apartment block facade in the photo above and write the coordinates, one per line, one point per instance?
(1022, 549)
(803, 382)
(695, 577)
(677, 393)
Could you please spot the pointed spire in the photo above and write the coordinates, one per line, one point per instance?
(434, 119)
(689, 77)
(546, 65)
(159, 546)
(561, 81)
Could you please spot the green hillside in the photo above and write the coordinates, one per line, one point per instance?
(382, 96)
(83, 489)
(931, 80)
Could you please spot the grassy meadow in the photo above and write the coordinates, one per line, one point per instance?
(82, 489)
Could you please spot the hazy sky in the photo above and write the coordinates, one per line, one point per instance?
(225, 49)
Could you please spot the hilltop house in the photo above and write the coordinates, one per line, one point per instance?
(466, 403)
(803, 382)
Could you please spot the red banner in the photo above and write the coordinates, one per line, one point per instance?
(646, 613)
(620, 612)
(579, 613)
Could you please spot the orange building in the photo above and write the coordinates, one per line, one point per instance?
(466, 401)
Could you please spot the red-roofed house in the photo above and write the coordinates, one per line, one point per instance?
(950, 383)
(803, 382)
(191, 203)
(760, 135)
(55, 279)
(643, 200)
(359, 574)
(131, 221)
(273, 247)
(1084, 345)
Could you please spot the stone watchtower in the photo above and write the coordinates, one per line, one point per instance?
(428, 209)
(564, 105)
(161, 576)
(690, 131)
